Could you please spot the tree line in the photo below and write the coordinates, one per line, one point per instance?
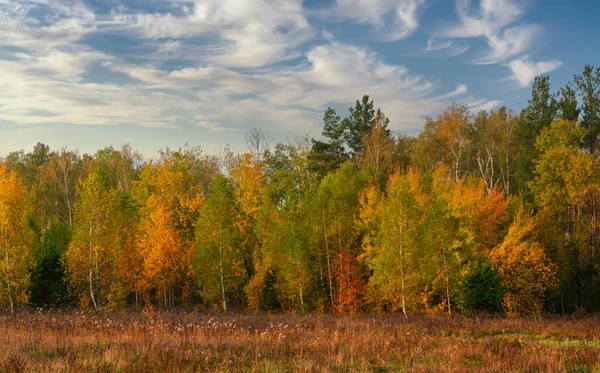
(491, 211)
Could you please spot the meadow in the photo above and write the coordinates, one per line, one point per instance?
(193, 341)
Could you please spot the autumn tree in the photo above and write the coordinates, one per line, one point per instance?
(525, 270)
(248, 180)
(120, 166)
(165, 242)
(566, 188)
(58, 181)
(284, 275)
(494, 149)
(334, 237)
(16, 251)
(94, 251)
(445, 141)
(392, 255)
(378, 147)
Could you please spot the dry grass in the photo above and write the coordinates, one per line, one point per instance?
(199, 342)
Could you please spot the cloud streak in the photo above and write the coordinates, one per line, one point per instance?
(497, 22)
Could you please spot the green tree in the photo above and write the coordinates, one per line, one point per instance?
(541, 110)
(327, 156)
(588, 87)
(358, 123)
(49, 280)
(218, 261)
(480, 289)
(567, 104)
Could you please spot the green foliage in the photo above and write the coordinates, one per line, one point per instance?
(358, 123)
(217, 263)
(268, 299)
(480, 289)
(541, 110)
(588, 87)
(49, 281)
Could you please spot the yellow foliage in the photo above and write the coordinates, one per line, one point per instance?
(15, 240)
(525, 270)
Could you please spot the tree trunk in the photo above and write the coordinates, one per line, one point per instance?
(222, 277)
(328, 261)
(90, 268)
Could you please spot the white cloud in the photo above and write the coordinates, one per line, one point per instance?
(446, 48)
(234, 82)
(250, 33)
(524, 70)
(494, 21)
(497, 23)
(215, 127)
(401, 23)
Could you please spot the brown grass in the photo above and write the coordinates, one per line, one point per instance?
(199, 342)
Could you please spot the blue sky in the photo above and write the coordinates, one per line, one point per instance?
(90, 73)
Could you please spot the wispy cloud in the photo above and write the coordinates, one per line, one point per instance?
(393, 19)
(524, 70)
(498, 23)
(446, 48)
(249, 33)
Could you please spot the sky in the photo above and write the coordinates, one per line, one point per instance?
(86, 74)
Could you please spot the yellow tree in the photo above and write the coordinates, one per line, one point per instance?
(391, 253)
(566, 188)
(169, 205)
(93, 254)
(248, 177)
(525, 270)
(16, 243)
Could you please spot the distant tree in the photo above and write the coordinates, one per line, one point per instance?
(492, 145)
(445, 141)
(258, 141)
(58, 181)
(378, 147)
(120, 166)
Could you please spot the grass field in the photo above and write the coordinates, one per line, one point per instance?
(197, 342)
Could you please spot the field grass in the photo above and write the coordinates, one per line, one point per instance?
(197, 342)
